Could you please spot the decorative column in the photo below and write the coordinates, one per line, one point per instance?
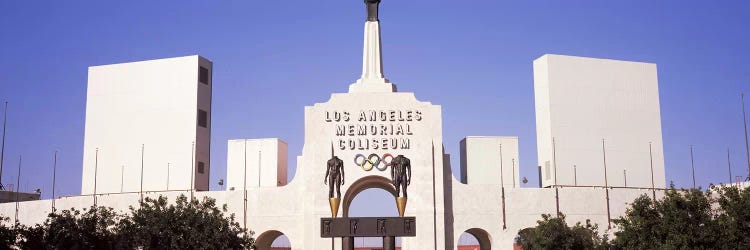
(372, 79)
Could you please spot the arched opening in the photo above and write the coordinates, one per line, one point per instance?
(468, 242)
(474, 239)
(371, 196)
(364, 183)
(272, 240)
(281, 243)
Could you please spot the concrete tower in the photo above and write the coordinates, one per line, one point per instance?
(148, 126)
(256, 163)
(490, 160)
(372, 79)
(591, 112)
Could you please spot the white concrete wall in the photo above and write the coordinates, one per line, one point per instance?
(481, 160)
(738, 184)
(264, 159)
(524, 206)
(579, 102)
(420, 125)
(153, 104)
(444, 207)
(472, 206)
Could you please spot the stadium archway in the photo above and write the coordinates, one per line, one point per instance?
(480, 238)
(364, 183)
(267, 239)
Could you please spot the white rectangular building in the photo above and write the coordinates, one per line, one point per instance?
(149, 119)
(589, 110)
(484, 159)
(261, 162)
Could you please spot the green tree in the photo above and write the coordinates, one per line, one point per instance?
(183, 225)
(32, 237)
(92, 228)
(683, 219)
(734, 217)
(7, 234)
(554, 233)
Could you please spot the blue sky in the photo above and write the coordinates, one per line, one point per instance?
(271, 58)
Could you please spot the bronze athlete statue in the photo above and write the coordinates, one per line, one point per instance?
(334, 176)
(401, 173)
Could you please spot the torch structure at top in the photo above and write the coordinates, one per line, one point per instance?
(372, 79)
(372, 10)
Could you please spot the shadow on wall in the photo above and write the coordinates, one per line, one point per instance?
(448, 199)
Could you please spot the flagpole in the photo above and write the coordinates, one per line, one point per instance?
(604, 156)
(192, 169)
(651, 162)
(18, 187)
(122, 178)
(554, 158)
(2, 151)
(729, 165)
(744, 121)
(606, 185)
(692, 164)
(54, 179)
(167, 176)
(244, 186)
(502, 186)
(96, 168)
(513, 167)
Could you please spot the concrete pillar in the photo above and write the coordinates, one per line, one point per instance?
(389, 243)
(347, 243)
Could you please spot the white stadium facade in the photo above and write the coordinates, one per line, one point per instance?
(593, 115)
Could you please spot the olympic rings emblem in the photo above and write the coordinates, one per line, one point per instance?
(373, 160)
